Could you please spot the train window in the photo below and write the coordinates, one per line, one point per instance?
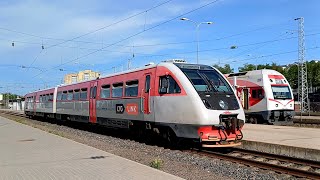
(83, 94)
(131, 88)
(76, 94)
(59, 96)
(64, 95)
(105, 91)
(254, 94)
(50, 97)
(168, 85)
(70, 95)
(117, 89)
(94, 92)
(257, 93)
(147, 85)
(260, 94)
(40, 98)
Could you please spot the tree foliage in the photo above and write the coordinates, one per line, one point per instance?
(10, 96)
(290, 71)
(226, 69)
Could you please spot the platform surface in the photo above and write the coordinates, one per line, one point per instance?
(29, 153)
(283, 135)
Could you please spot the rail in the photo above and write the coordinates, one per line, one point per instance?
(282, 164)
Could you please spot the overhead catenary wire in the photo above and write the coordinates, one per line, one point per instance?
(88, 33)
(269, 55)
(136, 34)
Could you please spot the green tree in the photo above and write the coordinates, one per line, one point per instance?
(224, 70)
(247, 67)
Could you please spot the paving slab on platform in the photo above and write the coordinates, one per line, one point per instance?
(287, 140)
(29, 153)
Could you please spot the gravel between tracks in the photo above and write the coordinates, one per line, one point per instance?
(175, 162)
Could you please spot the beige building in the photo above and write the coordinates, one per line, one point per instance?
(80, 76)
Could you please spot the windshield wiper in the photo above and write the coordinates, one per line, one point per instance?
(209, 82)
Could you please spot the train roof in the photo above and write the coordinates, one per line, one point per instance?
(177, 62)
(255, 72)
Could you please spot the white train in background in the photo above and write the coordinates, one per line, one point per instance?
(265, 95)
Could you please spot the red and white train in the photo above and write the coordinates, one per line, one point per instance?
(265, 95)
(174, 99)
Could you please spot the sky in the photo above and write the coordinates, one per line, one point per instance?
(41, 41)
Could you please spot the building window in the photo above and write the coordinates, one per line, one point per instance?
(105, 91)
(73, 79)
(86, 76)
(131, 88)
(117, 89)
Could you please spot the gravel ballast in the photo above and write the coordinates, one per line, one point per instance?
(176, 162)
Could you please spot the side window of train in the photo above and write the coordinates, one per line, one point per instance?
(117, 89)
(94, 92)
(64, 95)
(76, 94)
(50, 97)
(254, 94)
(70, 95)
(105, 91)
(131, 89)
(59, 96)
(257, 94)
(168, 85)
(260, 94)
(83, 94)
(147, 85)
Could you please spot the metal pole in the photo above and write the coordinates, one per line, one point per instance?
(197, 34)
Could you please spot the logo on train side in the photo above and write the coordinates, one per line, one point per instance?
(132, 109)
(119, 108)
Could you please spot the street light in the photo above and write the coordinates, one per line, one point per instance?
(197, 32)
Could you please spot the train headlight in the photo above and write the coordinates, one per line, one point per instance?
(277, 105)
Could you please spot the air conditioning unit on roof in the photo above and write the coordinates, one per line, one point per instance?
(176, 61)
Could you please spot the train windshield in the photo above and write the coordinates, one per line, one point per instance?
(205, 80)
(281, 92)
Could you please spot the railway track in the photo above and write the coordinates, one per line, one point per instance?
(278, 163)
(282, 164)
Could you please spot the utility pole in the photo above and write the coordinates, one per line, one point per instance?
(303, 80)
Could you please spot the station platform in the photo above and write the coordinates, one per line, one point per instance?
(29, 153)
(286, 140)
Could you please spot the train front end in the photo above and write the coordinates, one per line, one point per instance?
(220, 116)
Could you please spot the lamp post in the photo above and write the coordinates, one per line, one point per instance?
(197, 32)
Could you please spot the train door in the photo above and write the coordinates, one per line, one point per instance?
(34, 103)
(92, 102)
(246, 98)
(147, 101)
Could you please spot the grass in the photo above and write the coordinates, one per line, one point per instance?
(156, 163)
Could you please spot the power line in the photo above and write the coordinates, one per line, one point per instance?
(269, 55)
(88, 33)
(136, 34)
